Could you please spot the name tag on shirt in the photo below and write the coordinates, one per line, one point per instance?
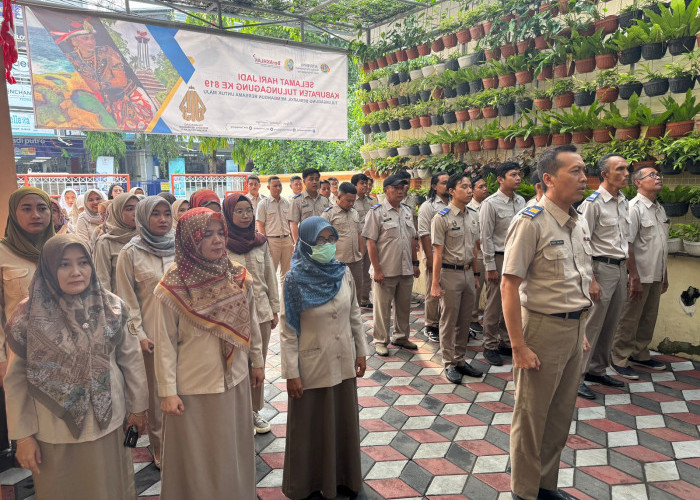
(456, 228)
(555, 243)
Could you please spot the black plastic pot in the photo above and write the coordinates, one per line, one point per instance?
(394, 79)
(627, 19)
(683, 45)
(681, 84)
(404, 76)
(437, 119)
(424, 149)
(448, 93)
(393, 152)
(449, 117)
(394, 125)
(668, 168)
(653, 88)
(654, 8)
(693, 167)
(375, 128)
(584, 98)
(676, 209)
(476, 86)
(523, 105)
(413, 98)
(627, 89)
(424, 95)
(652, 51)
(695, 210)
(477, 57)
(403, 100)
(413, 150)
(462, 88)
(366, 129)
(365, 86)
(384, 127)
(405, 123)
(452, 64)
(630, 56)
(507, 109)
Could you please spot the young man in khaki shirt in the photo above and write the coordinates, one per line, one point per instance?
(480, 191)
(547, 289)
(254, 194)
(363, 203)
(272, 220)
(308, 203)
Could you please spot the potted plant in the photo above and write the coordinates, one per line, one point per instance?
(681, 118)
(628, 15)
(504, 100)
(506, 76)
(681, 153)
(490, 136)
(542, 99)
(675, 201)
(537, 127)
(695, 203)
(473, 137)
(519, 133)
(606, 82)
(679, 24)
(584, 93)
(505, 142)
(489, 76)
(523, 100)
(562, 93)
(486, 100)
(675, 241)
(653, 41)
(680, 78)
(583, 50)
(690, 233)
(628, 84)
(522, 67)
(605, 51)
(656, 83)
(578, 122)
(652, 126)
(627, 127)
(629, 43)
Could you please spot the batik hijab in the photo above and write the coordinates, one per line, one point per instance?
(240, 241)
(203, 197)
(27, 246)
(92, 217)
(67, 340)
(159, 245)
(210, 295)
(115, 228)
(61, 212)
(309, 283)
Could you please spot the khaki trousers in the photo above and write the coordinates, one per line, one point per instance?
(604, 316)
(155, 416)
(636, 328)
(281, 250)
(366, 280)
(495, 332)
(432, 304)
(356, 271)
(258, 393)
(456, 305)
(396, 289)
(477, 291)
(544, 401)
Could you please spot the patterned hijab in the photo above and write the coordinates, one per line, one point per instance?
(203, 197)
(210, 295)
(240, 241)
(67, 340)
(27, 246)
(176, 208)
(92, 217)
(161, 246)
(58, 227)
(115, 227)
(308, 283)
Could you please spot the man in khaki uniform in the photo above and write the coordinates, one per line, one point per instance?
(648, 277)
(438, 198)
(296, 184)
(547, 290)
(333, 198)
(607, 214)
(480, 191)
(345, 219)
(254, 195)
(363, 204)
(272, 220)
(539, 190)
(392, 246)
(495, 215)
(455, 237)
(308, 203)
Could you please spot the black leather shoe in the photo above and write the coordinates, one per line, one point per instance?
(585, 392)
(476, 328)
(432, 333)
(368, 305)
(604, 380)
(453, 375)
(554, 495)
(505, 351)
(469, 370)
(493, 357)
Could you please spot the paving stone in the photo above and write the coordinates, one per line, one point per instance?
(416, 477)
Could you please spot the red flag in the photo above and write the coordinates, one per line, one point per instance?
(7, 38)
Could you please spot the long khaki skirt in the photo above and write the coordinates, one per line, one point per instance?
(323, 442)
(93, 470)
(208, 451)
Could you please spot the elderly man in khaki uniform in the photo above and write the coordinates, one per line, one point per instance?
(607, 213)
(438, 198)
(392, 246)
(547, 289)
(363, 203)
(648, 277)
(345, 219)
(455, 237)
(272, 220)
(495, 215)
(480, 191)
(307, 203)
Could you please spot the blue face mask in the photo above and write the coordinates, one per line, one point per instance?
(323, 253)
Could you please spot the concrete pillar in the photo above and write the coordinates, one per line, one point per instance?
(8, 170)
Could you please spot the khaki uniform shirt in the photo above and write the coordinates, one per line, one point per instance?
(426, 212)
(27, 416)
(608, 219)
(16, 274)
(551, 251)
(105, 255)
(255, 201)
(321, 357)
(304, 206)
(393, 231)
(476, 206)
(531, 202)
(649, 237)
(363, 206)
(275, 215)
(84, 229)
(258, 262)
(138, 273)
(347, 223)
(456, 231)
(188, 360)
(495, 215)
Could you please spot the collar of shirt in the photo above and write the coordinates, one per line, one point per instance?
(474, 204)
(388, 206)
(305, 194)
(559, 215)
(455, 210)
(607, 196)
(504, 196)
(647, 202)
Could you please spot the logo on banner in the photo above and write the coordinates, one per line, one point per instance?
(289, 64)
(325, 68)
(192, 107)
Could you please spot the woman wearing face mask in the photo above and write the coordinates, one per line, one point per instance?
(323, 348)
(120, 227)
(60, 225)
(140, 266)
(251, 249)
(74, 378)
(90, 218)
(206, 334)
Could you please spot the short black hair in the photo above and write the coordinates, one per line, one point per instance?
(505, 167)
(432, 193)
(548, 162)
(476, 179)
(252, 178)
(324, 181)
(310, 171)
(357, 178)
(455, 178)
(346, 188)
(273, 178)
(110, 196)
(603, 162)
(294, 178)
(535, 177)
(169, 197)
(333, 179)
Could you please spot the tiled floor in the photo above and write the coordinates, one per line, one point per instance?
(423, 436)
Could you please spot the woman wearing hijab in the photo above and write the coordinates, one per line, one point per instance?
(321, 364)
(205, 337)
(75, 376)
(137, 190)
(170, 197)
(114, 191)
(249, 248)
(120, 227)
(140, 266)
(60, 225)
(75, 211)
(103, 210)
(90, 218)
(205, 198)
(179, 209)
(67, 200)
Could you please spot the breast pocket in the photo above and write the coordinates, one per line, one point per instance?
(307, 211)
(16, 283)
(504, 213)
(647, 228)
(555, 258)
(391, 229)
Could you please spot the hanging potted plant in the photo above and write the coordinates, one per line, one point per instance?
(523, 101)
(578, 122)
(652, 126)
(473, 138)
(681, 120)
(690, 233)
(656, 83)
(683, 152)
(695, 206)
(583, 50)
(536, 127)
(680, 79)
(607, 86)
(628, 127)
(629, 44)
(584, 93)
(629, 15)
(675, 243)
(522, 68)
(679, 24)
(675, 201)
(504, 100)
(460, 108)
(605, 51)
(489, 142)
(489, 76)
(653, 41)
(628, 84)
(518, 133)
(562, 93)
(506, 77)
(505, 143)
(542, 99)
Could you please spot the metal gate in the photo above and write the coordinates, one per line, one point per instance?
(55, 184)
(183, 185)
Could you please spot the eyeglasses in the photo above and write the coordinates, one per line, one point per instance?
(247, 211)
(653, 175)
(323, 241)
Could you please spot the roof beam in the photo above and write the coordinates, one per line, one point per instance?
(320, 6)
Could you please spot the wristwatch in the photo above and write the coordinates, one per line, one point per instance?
(416, 263)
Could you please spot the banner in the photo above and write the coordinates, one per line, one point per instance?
(92, 73)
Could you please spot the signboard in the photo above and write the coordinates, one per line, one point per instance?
(231, 167)
(165, 186)
(131, 77)
(19, 95)
(23, 124)
(51, 147)
(177, 166)
(104, 165)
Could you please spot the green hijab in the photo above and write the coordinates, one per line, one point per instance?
(22, 243)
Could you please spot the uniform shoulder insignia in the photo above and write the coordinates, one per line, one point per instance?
(444, 211)
(296, 196)
(593, 196)
(327, 209)
(532, 211)
(374, 207)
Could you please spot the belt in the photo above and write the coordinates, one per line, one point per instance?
(608, 260)
(282, 236)
(455, 267)
(570, 315)
(499, 253)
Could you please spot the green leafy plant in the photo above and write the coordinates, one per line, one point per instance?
(683, 111)
(607, 78)
(578, 120)
(690, 232)
(627, 39)
(679, 194)
(681, 150)
(630, 191)
(646, 32)
(677, 22)
(561, 87)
